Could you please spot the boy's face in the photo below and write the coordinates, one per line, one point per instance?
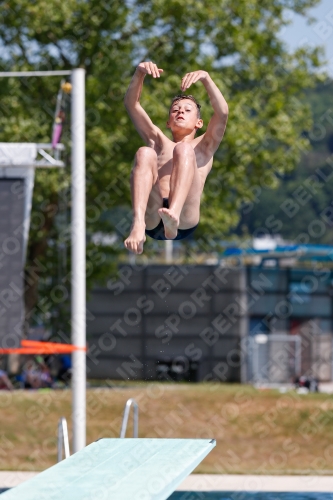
(184, 116)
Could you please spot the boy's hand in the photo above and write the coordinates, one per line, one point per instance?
(193, 77)
(149, 68)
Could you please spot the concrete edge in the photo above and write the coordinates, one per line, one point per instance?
(218, 482)
(9, 479)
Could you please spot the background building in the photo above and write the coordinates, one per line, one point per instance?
(246, 323)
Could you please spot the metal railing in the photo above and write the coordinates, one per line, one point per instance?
(129, 403)
(63, 441)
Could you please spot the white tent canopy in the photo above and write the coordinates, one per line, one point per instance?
(27, 154)
(18, 161)
(17, 153)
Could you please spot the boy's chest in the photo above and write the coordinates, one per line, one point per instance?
(165, 156)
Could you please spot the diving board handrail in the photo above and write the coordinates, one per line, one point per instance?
(130, 402)
(63, 440)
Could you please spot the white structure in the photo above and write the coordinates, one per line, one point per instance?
(23, 158)
(19, 160)
(78, 259)
(274, 358)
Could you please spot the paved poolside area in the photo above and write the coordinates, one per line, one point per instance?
(9, 479)
(217, 482)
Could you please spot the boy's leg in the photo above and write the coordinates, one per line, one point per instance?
(185, 192)
(145, 198)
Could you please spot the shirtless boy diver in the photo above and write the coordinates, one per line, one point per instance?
(168, 176)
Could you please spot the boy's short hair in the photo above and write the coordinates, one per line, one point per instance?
(190, 97)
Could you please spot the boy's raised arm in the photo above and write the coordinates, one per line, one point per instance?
(147, 130)
(217, 125)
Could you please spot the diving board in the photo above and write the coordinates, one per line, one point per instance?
(117, 469)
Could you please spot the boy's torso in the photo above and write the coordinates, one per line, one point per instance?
(164, 149)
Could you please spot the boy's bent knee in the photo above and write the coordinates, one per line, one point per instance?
(145, 153)
(183, 149)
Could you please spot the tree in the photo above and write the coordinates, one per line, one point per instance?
(300, 208)
(236, 41)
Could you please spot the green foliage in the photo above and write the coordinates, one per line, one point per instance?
(301, 203)
(235, 40)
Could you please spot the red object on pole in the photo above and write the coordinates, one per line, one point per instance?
(36, 347)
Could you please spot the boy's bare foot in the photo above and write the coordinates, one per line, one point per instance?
(170, 221)
(134, 243)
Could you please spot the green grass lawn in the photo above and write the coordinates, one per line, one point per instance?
(257, 432)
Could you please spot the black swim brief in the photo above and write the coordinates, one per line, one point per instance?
(158, 232)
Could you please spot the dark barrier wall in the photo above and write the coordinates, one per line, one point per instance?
(11, 261)
(210, 323)
(160, 322)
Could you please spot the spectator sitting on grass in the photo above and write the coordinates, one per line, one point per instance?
(5, 383)
(65, 370)
(30, 377)
(36, 376)
(45, 376)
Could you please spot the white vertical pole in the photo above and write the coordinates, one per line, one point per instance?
(244, 327)
(78, 259)
(168, 251)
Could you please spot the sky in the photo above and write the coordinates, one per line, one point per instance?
(300, 33)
